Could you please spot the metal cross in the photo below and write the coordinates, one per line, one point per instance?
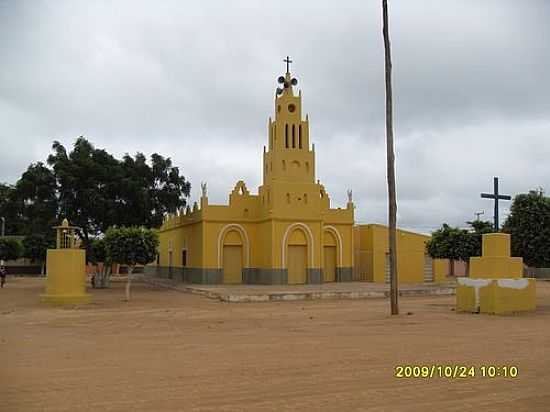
(496, 196)
(287, 61)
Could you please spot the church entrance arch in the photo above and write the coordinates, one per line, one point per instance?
(297, 253)
(232, 257)
(329, 252)
(233, 253)
(297, 257)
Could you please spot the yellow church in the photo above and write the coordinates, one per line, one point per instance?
(286, 234)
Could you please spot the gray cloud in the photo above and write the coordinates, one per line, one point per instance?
(195, 81)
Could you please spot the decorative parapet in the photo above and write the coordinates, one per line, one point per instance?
(183, 216)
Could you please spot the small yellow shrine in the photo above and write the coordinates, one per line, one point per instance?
(66, 269)
(286, 234)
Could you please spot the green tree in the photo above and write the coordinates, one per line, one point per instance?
(10, 249)
(168, 189)
(96, 253)
(454, 243)
(30, 206)
(35, 197)
(11, 209)
(529, 226)
(88, 186)
(97, 191)
(149, 192)
(35, 247)
(131, 246)
(449, 243)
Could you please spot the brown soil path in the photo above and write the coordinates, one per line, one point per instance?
(169, 351)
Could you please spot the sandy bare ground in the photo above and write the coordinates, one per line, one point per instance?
(168, 351)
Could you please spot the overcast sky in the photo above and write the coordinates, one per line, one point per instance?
(195, 81)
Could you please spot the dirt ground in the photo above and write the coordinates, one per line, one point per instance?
(170, 351)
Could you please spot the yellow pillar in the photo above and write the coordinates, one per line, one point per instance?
(66, 270)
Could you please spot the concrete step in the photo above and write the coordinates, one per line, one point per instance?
(299, 292)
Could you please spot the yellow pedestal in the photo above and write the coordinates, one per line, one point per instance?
(66, 281)
(496, 262)
(496, 296)
(496, 284)
(496, 267)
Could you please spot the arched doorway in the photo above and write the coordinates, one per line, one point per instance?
(232, 257)
(297, 257)
(330, 256)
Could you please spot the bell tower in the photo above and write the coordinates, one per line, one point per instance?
(288, 157)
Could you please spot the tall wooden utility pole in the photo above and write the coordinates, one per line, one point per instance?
(392, 206)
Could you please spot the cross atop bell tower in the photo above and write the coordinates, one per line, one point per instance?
(286, 81)
(287, 61)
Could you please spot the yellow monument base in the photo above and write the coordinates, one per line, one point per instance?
(499, 267)
(496, 296)
(66, 281)
(496, 284)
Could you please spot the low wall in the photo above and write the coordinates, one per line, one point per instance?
(539, 273)
(24, 270)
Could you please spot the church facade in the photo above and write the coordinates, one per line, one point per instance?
(287, 233)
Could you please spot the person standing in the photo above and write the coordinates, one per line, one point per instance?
(3, 273)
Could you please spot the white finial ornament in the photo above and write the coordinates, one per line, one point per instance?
(350, 195)
(203, 188)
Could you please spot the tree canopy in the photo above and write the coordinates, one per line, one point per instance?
(458, 244)
(10, 249)
(131, 246)
(529, 226)
(94, 190)
(35, 247)
(448, 243)
(30, 206)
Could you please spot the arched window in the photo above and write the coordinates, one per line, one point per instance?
(293, 137)
(300, 136)
(284, 164)
(288, 198)
(305, 198)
